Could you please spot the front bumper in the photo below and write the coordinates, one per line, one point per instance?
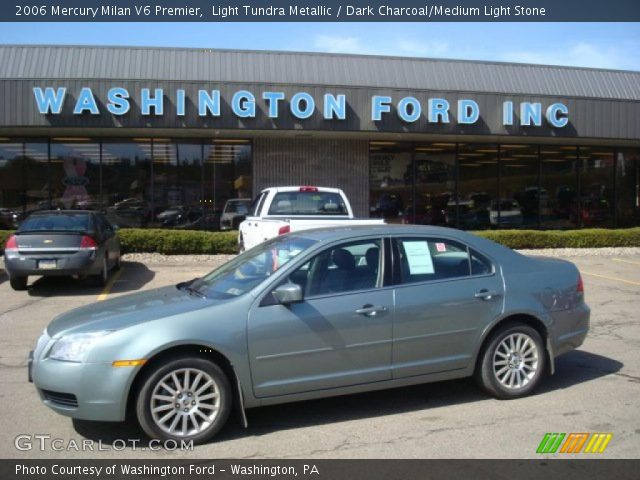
(100, 389)
(84, 262)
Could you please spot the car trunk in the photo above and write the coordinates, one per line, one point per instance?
(58, 243)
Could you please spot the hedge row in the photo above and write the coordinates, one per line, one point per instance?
(174, 242)
(588, 238)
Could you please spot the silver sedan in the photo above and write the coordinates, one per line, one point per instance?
(314, 314)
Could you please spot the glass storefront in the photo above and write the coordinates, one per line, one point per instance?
(482, 186)
(24, 180)
(391, 180)
(139, 182)
(627, 188)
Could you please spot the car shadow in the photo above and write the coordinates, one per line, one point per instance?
(571, 369)
(134, 276)
(3, 276)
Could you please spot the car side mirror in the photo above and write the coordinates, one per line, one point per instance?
(288, 293)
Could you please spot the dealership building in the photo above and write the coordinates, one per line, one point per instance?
(138, 132)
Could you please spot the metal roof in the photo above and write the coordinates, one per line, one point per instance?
(207, 65)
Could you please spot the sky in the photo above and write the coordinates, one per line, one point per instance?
(597, 45)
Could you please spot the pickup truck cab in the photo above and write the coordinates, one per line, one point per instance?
(280, 210)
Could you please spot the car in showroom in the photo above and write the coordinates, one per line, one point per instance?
(234, 212)
(62, 242)
(314, 314)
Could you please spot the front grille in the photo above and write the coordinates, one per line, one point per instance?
(62, 399)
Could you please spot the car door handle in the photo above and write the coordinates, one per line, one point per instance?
(369, 310)
(485, 294)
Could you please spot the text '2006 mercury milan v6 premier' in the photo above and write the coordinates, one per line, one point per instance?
(313, 314)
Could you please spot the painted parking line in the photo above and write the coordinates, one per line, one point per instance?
(631, 262)
(109, 285)
(615, 279)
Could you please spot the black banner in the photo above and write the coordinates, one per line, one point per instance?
(320, 11)
(320, 469)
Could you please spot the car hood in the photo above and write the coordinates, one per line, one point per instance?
(127, 310)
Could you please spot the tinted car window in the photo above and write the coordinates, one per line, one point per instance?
(307, 203)
(479, 264)
(60, 222)
(424, 259)
(344, 268)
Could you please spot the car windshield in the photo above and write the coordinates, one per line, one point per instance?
(307, 203)
(56, 222)
(237, 207)
(248, 270)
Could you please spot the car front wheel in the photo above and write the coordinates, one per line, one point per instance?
(184, 399)
(512, 362)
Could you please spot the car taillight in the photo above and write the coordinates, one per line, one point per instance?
(283, 230)
(580, 287)
(11, 245)
(308, 189)
(88, 243)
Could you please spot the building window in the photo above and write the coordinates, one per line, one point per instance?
(559, 181)
(177, 187)
(628, 187)
(227, 176)
(478, 200)
(126, 182)
(75, 174)
(596, 206)
(24, 180)
(519, 202)
(434, 171)
(390, 180)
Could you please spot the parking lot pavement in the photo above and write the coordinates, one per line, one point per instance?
(595, 389)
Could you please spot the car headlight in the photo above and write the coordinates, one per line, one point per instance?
(74, 347)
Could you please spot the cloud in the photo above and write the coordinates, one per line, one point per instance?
(399, 47)
(421, 49)
(338, 44)
(578, 55)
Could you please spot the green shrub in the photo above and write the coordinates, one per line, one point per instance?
(588, 238)
(176, 242)
(4, 234)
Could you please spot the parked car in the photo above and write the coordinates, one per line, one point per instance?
(234, 212)
(314, 314)
(280, 210)
(62, 242)
(505, 213)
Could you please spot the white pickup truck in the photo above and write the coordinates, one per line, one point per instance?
(280, 210)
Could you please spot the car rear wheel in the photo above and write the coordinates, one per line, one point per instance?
(18, 283)
(512, 362)
(118, 264)
(101, 279)
(184, 399)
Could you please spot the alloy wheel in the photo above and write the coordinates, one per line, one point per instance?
(185, 402)
(515, 361)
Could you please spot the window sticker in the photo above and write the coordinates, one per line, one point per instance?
(441, 247)
(418, 257)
